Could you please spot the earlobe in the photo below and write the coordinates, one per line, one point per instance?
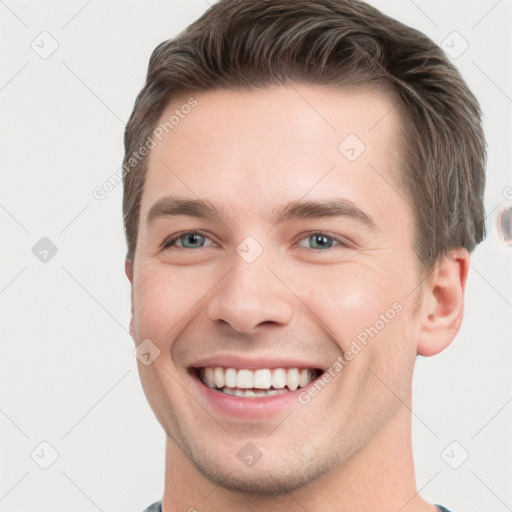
(128, 269)
(132, 334)
(442, 307)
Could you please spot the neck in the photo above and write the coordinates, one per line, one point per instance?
(378, 478)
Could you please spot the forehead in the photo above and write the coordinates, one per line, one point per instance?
(278, 142)
(307, 112)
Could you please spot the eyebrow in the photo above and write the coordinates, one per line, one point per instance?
(301, 209)
(174, 206)
(298, 209)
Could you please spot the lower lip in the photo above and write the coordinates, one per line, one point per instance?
(247, 407)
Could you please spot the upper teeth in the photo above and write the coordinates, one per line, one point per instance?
(263, 378)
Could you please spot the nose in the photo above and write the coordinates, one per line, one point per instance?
(250, 296)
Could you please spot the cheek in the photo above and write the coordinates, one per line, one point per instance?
(162, 299)
(353, 300)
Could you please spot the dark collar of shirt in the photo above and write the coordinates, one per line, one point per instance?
(157, 507)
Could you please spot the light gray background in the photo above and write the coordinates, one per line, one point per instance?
(67, 372)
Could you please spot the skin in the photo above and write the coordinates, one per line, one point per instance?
(249, 153)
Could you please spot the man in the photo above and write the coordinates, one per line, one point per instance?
(303, 186)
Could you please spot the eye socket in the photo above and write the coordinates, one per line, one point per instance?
(321, 241)
(188, 240)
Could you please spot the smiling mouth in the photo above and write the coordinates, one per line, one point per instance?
(256, 383)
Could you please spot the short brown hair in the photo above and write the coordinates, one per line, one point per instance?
(334, 43)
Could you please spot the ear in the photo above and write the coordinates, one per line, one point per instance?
(442, 307)
(128, 270)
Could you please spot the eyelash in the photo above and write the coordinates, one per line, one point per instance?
(170, 242)
(339, 243)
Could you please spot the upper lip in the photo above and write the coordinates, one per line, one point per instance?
(239, 363)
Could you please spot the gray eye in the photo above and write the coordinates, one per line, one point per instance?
(192, 240)
(318, 241)
(505, 224)
(321, 242)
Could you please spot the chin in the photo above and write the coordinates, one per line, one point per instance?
(263, 480)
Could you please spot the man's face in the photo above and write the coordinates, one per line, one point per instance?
(292, 250)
